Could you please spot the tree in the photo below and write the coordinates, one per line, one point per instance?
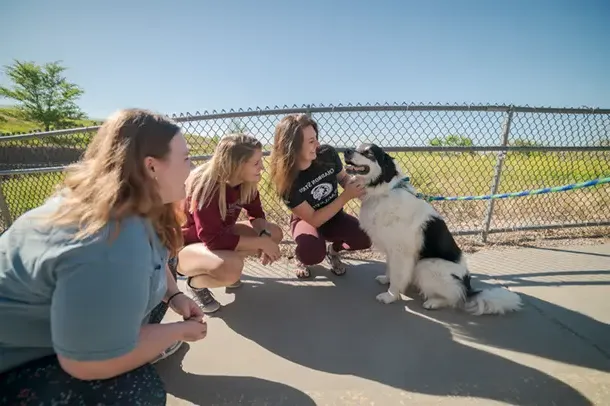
(522, 142)
(44, 94)
(452, 141)
(237, 126)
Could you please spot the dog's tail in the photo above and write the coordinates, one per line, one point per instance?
(496, 300)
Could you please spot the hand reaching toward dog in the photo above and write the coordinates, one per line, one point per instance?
(354, 188)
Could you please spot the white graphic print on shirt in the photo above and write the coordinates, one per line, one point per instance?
(320, 191)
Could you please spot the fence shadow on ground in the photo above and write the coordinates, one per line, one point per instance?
(524, 279)
(341, 329)
(571, 251)
(225, 390)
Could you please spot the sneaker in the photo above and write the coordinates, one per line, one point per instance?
(235, 285)
(204, 298)
(336, 265)
(168, 351)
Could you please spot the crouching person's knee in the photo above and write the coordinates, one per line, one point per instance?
(310, 250)
(230, 271)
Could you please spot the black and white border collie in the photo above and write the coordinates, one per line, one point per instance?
(418, 246)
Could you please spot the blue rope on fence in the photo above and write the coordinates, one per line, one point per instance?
(573, 186)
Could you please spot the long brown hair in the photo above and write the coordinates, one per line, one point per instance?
(110, 181)
(287, 146)
(231, 153)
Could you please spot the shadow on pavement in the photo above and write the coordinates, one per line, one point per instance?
(342, 329)
(212, 390)
(529, 337)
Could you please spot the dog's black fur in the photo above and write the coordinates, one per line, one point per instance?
(375, 153)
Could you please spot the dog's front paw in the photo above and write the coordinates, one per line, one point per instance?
(386, 298)
(382, 279)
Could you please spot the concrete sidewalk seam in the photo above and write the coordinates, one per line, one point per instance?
(558, 322)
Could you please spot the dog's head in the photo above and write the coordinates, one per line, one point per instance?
(370, 163)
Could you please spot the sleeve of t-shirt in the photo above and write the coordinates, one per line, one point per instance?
(294, 197)
(210, 229)
(254, 209)
(100, 300)
(336, 159)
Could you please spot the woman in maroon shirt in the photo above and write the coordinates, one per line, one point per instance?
(215, 242)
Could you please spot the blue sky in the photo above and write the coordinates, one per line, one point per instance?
(185, 56)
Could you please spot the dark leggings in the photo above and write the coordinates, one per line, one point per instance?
(343, 230)
(44, 382)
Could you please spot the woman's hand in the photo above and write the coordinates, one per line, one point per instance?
(265, 259)
(269, 249)
(354, 188)
(186, 307)
(193, 330)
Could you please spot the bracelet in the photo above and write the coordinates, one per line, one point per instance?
(173, 296)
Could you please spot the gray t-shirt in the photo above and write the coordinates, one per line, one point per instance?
(85, 300)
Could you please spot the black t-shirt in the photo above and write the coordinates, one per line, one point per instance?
(317, 185)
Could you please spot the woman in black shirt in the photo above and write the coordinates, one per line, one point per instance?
(306, 176)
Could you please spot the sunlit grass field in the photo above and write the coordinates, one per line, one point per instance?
(446, 174)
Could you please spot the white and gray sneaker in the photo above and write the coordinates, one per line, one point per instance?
(168, 351)
(337, 266)
(235, 285)
(204, 298)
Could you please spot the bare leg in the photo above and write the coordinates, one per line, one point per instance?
(209, 269)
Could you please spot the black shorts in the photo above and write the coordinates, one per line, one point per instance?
(173, 267)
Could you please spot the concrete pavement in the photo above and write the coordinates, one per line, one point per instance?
(282, 341)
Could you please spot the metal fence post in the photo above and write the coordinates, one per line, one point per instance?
(5, 214)
(497, 174)
(308, 111)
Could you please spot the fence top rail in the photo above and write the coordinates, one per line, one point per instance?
(312, 108)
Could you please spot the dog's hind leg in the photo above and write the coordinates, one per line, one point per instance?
(400, 274)
(439, 284)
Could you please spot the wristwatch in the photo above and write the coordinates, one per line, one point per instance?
(264, 232)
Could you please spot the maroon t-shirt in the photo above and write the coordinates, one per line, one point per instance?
(206, 226)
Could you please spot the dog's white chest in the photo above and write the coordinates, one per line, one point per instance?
(394, 220)
(373, 220)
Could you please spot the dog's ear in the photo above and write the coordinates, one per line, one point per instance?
(388, 168)
(388, 159)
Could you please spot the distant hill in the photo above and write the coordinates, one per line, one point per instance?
(11, 121)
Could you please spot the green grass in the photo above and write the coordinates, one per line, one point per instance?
(442, 174)
(12, 121)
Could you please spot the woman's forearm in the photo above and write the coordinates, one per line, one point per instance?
(324, 214)
(249, 244)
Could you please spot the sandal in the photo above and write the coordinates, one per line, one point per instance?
(336, 265)
(302, 272)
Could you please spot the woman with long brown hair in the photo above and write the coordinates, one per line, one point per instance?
(216, 243)
(84, 281)
(306, 176)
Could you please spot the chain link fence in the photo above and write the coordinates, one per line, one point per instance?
(447, 150)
